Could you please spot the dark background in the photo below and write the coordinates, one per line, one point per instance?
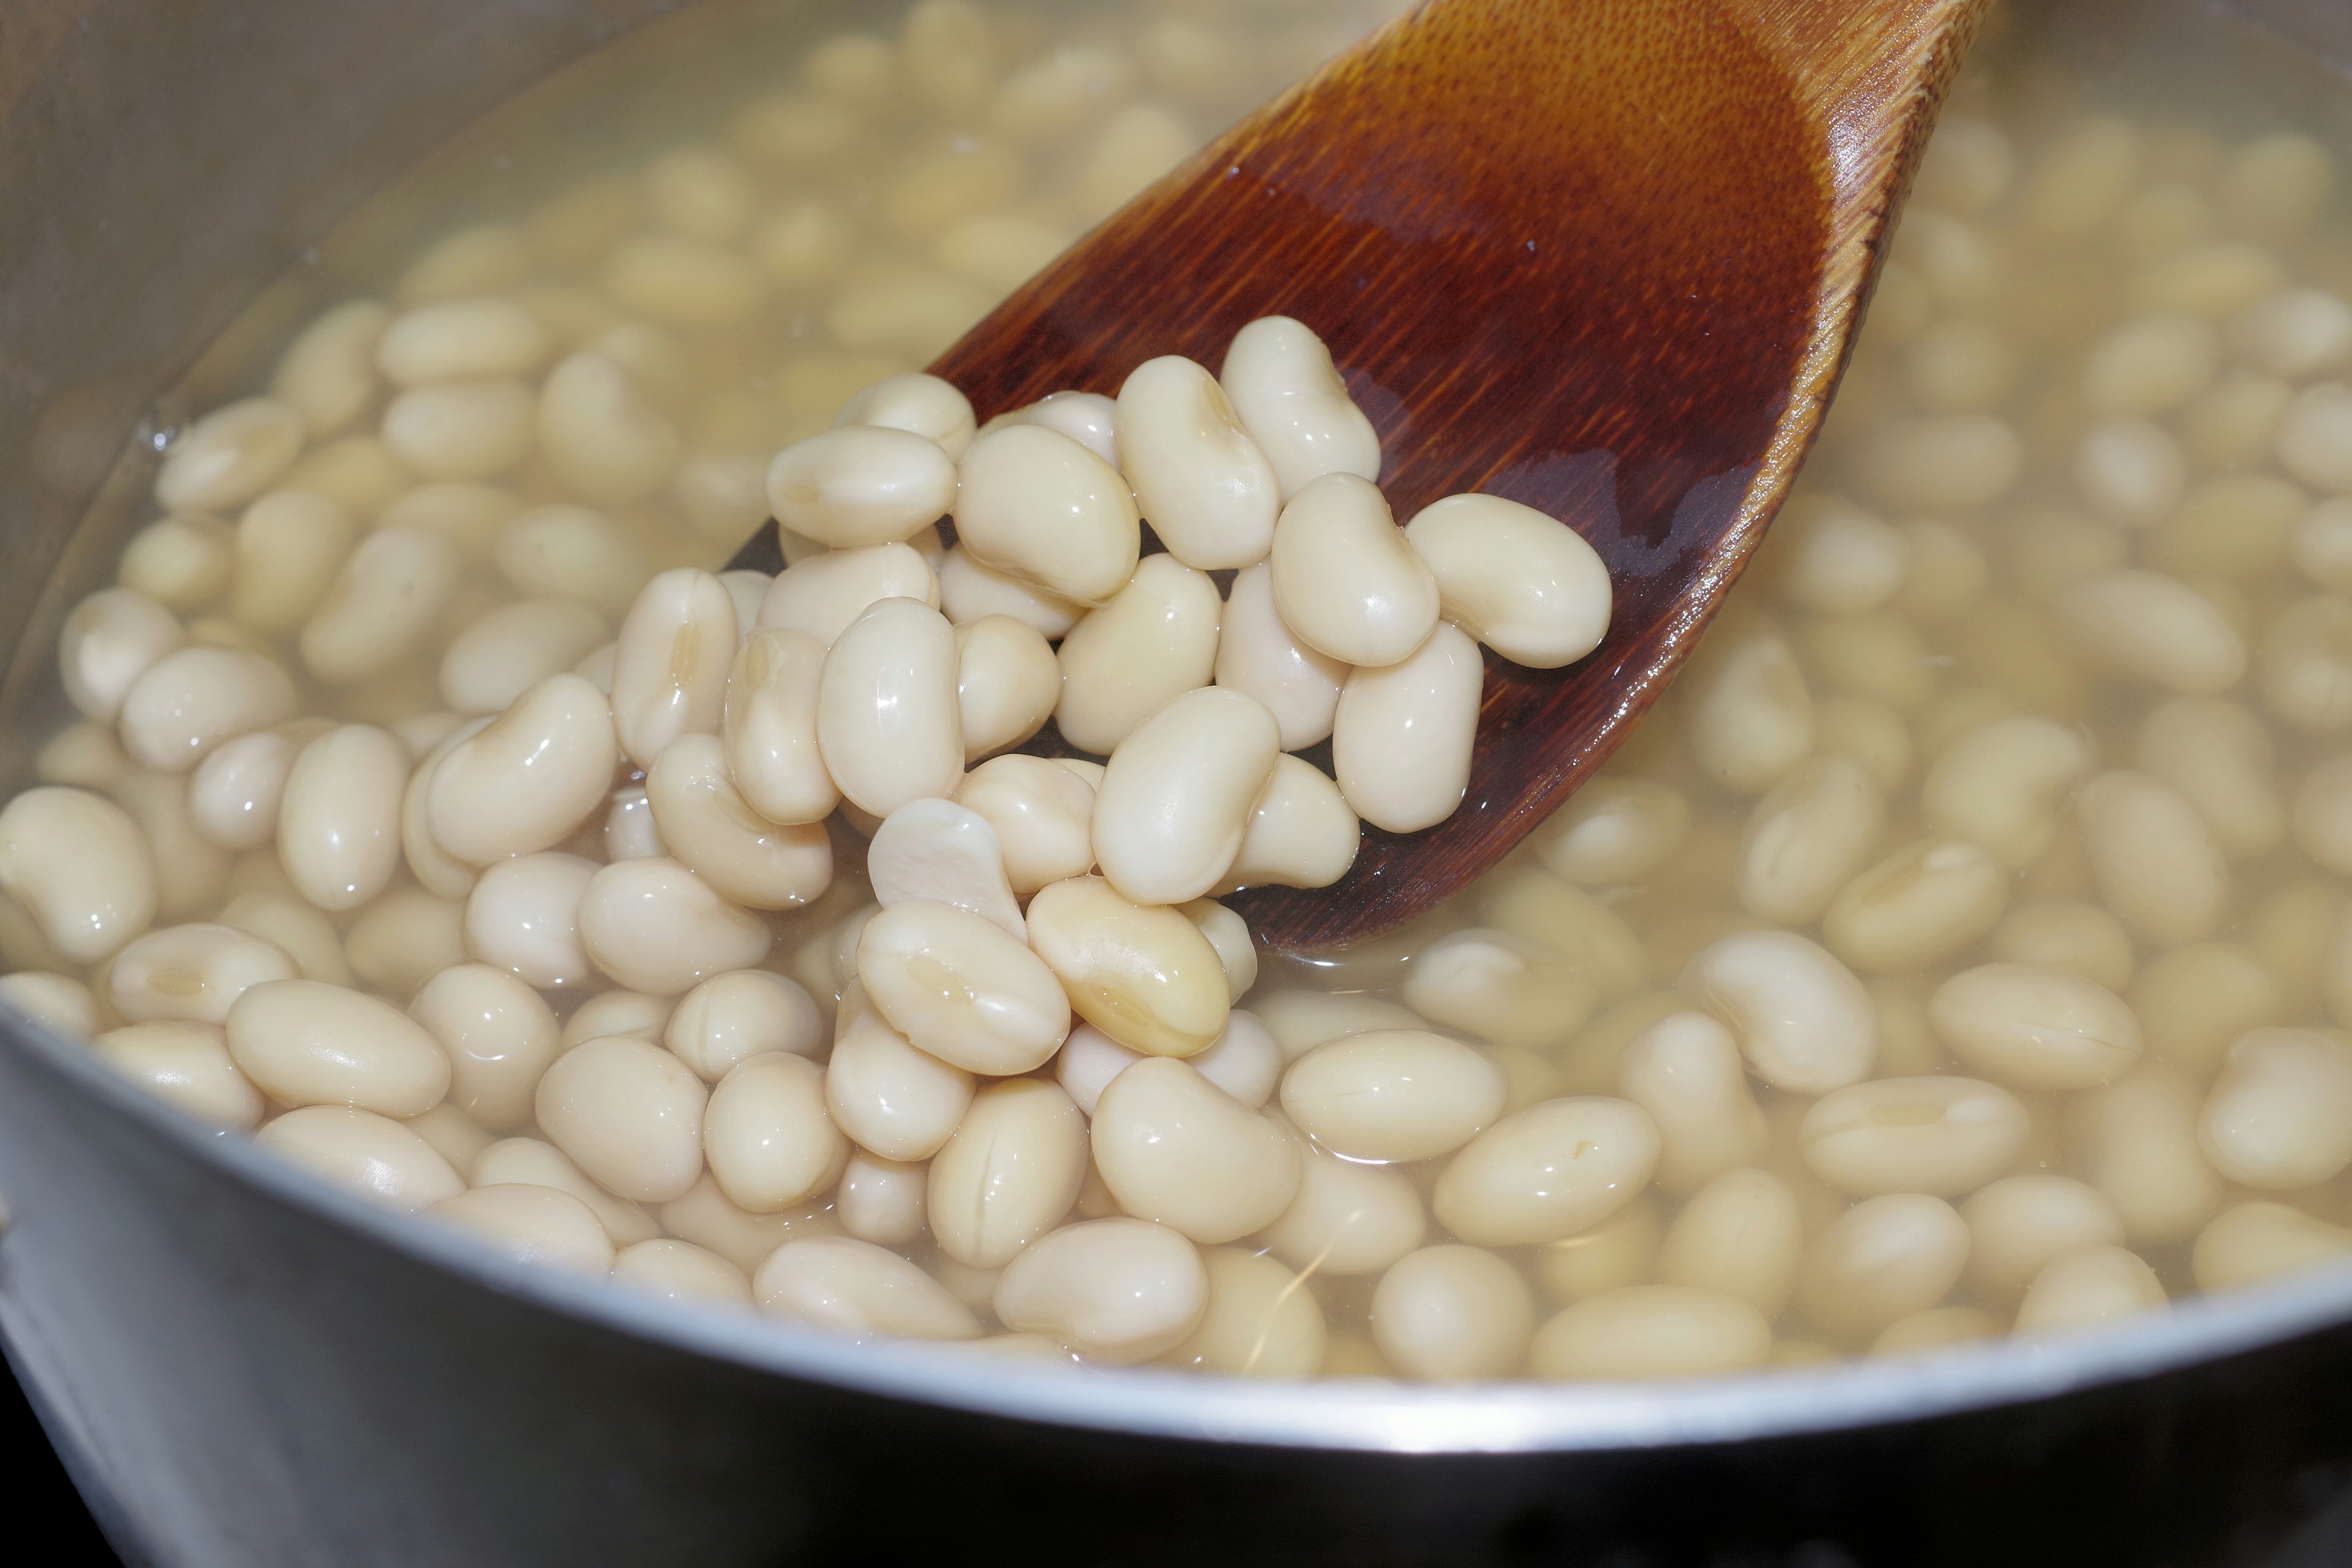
(41, 1501)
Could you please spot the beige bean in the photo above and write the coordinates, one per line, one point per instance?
(1614, 831)
(888, 721)
(107, 642)
(2304, 665)
(1548, 1171)
(924, 405)
(2151, 364)
(602, 434)
(2251, 1242)
(338, 823)
(970, 590)
(359, 473)
(1803, 1021)
(1620, 1251)
(191, 874)
(881, 1199)
(568, 551)
(1347, 1218)
(403, 939)
(2280, 1116)
(1651, 1331)
(1809, 835)
(959, 988)
(80, 865)
(529, 780)
(1833, 557)
(2155, 629)
(620, 1013)
(480, 259)
(2315, 439)
(1686, 1070)
(855, 1287)
(2086, 1287)
(2016, 1225)
(681, 1272)
(1401, 737)
(1883, 1259)
(299, 930)
(1087, 1063)
(500, 1037)
(84, 755)
(1751, 717)
(898, 1102)
(936, 851)
(2321, 813)
(2156, 864)
(654, 926)
(527, 1161)
(1393, 1094)
(2129, 472)
(235, 794)
(192, 699)
(1261, 1322)
(1289, 397)
(730, 1018)
(1009, 1174)
(2000, 785)
(1302, 833)
(1173, 1147)
(369, 1155)
(1503, 988)
(765, 1132)
(1450, 1312)
(1153, 640)
(305, 1043)
(58, 1002)
(724, 499)
(2321, 544)
(1143, 975)
(1036, 505)
(1116, 1289)
(2034, 1027)
(2136, 1142)
(1937, 1327)
(1043, 816)
(705, 823)
(186, 1064)
(531, 1225)
(1917, 907)
(628, 1113)
(461, 340)
(1229, 935)
(1210, 492)
(2079, 939)
(706, 1218)
(461, 430)
(2218, 756)
(1177, 795)
(1346, 581)
(326, 375)
(1941, 1135)
(1007, 684)
(670, 671)
(229, 456)
(523, 917)
(769, 728)
(490, 664)
(1257, 654)
(861, 484)
(1739, 1235)
(191, 973)
(1524, 584)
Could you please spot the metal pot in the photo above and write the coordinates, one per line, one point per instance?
(245, 1368)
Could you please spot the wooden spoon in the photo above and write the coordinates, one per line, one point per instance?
(1602, 256)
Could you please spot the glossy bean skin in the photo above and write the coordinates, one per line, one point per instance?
(1151, 642)
(1523, 585)
(1548, 1171)
(1259, 655)
(364, 1153)
(1037, 505)
(706, 823)
(961, 988)
(1175, 1147)
(1009, 1173)
(186, 1064)
(1346, 580)
(1451, 1312)
(1209, 493)
(766, 1136)
(499, 1034)
(1119, 1290)
(1145, 976)
(1402, 735)
(1651, 1330)
(628, 1113)
(305, 1043)
(889, 724)
(530, 779)
(1393, 1094)
(1176, 797)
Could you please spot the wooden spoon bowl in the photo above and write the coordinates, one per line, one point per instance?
(1602, 256)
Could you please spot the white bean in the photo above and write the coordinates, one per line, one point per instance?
(1036, 505)
(1177, 795)
(1524, 584)
(1143, 975)
(602, 434)
(1883, 1259)
(1258, 654)
(861, 484)
(523, 917)
(1751, 717)
(531, 1225)
(191, 973)
(107, 642)
(705, 823)
(490, 664)
(2000, 783)
(1393, 1094)
(898, 1102)
(938, 852)
(769, 728)
(1173, 1147)
(369, 1155)
(529, 780)
(461, 430)
(1651, 1332)
(1401, 737)
(2016, 1225)
(1548, 1171)
(923, 404)
(568, 551)
(1260, 1322)
(229, 456)
(1007, 684)
(2251, 1242)
(1116, 1289)
(765, 1132)
(326, 375)
(1209, 491)
(628, 1113)
(855, 1287)
(881, 1199)
(403, 939)
(185, 1065)
(823, 595)
(1289, 397)
(2154, 629)
(1346, 581)
(80, 865)
(1948, 1136)
(2280, 1116)
(1009, 1174)
(1302, 833)
(500, 1036)
(1803, 1021)
(1450, 1312)
(304, 1043)
(1739, 1235)
(1043, 815)
(2035, 1027)
(338, 823)
(1504, 989)
(527, 1161)
(2218, 755)
(1686, 1070)
(2138, 1143)
(2086, 1287)
(670, 670)
(681, 1272)
(654, 926)
(970, 590)
(2155, 862)
(58, 1002)
(1151, 642)
(190, 700)
(1807, 838)
(887, 720)
(960, 987)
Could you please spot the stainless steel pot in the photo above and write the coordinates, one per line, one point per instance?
(246, 1370)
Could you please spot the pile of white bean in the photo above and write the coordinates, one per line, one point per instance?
(1959, 949)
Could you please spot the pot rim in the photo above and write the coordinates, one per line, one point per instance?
(1522, 1416)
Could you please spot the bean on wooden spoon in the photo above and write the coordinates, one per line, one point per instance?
(1602, 257)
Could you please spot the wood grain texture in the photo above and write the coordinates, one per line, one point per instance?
(1602, 256)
